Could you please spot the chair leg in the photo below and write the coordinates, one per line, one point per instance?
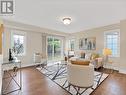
(78, 89)
(41, 66)
(65, 83)
(83, 91)
(69, 87)
(92, 88)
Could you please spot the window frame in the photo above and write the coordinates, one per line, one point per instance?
(20, 33)
(55, 37)
(69, 44)
(118, 41)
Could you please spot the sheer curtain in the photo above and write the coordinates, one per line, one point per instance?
(44, 44)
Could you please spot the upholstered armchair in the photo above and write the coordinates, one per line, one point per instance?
(80, 76)
(40, 59)
(96, 60)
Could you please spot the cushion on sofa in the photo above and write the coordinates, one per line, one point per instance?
(80, 62)
(82, 54)
(94, 56)
(88, 56)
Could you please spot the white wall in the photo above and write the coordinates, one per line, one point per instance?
(33, 44)
(0, 74)
(34, 39)
(123, 46)
(118, 62)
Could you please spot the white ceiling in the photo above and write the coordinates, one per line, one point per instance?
(85, 14)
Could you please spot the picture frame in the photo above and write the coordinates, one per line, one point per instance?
(87, 43)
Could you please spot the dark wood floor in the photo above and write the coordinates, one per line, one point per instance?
(115, 84)
(35, 83)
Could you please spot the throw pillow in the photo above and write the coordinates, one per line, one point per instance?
(82, 55)
(94, 56)
(88, 56)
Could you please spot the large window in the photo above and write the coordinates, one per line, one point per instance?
(54, 47)
(18, 43)
(112, 41)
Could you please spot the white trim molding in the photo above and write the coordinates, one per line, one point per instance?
(122, 70)
(1, 61)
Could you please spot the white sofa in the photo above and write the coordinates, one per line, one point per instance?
(97, 62)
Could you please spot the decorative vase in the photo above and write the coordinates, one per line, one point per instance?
(10, 55)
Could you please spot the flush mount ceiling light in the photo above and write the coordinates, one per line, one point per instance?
(67, 20)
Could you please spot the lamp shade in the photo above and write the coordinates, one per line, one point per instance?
(107, 51)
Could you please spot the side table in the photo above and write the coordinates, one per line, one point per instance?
(111, 66)
(11, 72)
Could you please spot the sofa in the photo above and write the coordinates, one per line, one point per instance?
(94, 58)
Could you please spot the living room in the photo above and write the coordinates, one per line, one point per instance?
(44, 44)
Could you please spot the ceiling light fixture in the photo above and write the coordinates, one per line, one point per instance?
(67, 20)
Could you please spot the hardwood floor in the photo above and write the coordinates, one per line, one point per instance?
(115, 84)
(35, 83)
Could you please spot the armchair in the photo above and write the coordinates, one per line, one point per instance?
(70, 54)
(39, 59)
(96, 60)
(80, 76)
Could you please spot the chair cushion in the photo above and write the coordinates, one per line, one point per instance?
(80, 62)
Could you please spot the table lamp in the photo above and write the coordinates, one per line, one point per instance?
(106, 53)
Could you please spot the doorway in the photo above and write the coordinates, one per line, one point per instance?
(54, 48)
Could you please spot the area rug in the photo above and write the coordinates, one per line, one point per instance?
(57, 73)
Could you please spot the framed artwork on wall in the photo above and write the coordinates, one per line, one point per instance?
(87, 43)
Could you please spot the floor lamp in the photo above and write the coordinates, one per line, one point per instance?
(106, 53)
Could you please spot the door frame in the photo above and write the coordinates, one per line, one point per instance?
(55, 37)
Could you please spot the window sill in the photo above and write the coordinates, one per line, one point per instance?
(20, 55)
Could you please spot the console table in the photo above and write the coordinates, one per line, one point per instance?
(11, 72)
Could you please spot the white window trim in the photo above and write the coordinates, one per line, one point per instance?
(69, 43)
(111, 31)
(56, 37)
(19, 32)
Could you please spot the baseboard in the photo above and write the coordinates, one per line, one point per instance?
(122, 70)
(112, 67)
(116, 68)
(27, 65)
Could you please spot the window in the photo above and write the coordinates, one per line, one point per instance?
(112, 41)
(54, 47)
(18, 43)
(71, 44)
